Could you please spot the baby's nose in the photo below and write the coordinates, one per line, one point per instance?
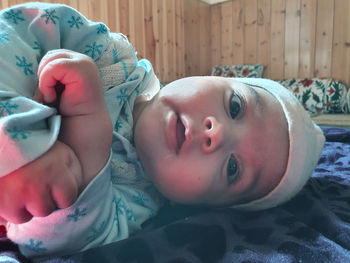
(213, 134)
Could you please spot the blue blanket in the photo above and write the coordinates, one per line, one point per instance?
(313, 227)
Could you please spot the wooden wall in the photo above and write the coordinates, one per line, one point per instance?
(291, 38)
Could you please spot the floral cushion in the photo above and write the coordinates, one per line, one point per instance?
(319, 95)
(310, 92)
(336, 100)
(236, 71)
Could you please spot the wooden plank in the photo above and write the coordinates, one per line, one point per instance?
(94, 10)
(110, 10)
(83, 7)
(12, 3)
(291, 44)
(164, 42)
(113, 14)
(131, 22)
(204, 40)
(215, 35)
(139, 27)
(104, 5)
(149, 35)
(156, 32)
(340, 52)
(250, 31)
(324, 37)
(307, 38)
(136, 26)
(160, 43)
(124, 17)
(171, 52)
(277, 39)
(3, 4)
(226, 33)
(264, 31)
(196, 35)
(73, 3)
(191, 35)
(180, 39)
(237, 32)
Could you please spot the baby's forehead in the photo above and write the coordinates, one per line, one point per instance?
(203, 80)
(208, 84)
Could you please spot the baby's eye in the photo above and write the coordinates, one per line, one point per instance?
(235, 106)
(232, 170)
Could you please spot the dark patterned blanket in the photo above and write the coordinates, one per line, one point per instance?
(313, 227)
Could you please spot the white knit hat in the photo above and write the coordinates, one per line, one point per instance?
(306, 142)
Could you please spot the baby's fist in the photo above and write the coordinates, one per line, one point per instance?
(40, 187)
(78, 74)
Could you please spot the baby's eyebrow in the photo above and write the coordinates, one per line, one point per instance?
(257, 99)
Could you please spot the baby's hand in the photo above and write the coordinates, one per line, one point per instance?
(40, 187)
(78, 74)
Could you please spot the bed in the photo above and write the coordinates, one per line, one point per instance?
(312, 227)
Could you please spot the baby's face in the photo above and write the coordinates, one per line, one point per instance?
(211, 140)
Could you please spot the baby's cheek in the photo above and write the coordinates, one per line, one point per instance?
(183, 187)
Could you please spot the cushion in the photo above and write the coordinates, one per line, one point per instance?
(236, 71)
(320, 95)
(335, 99)
(310, 92)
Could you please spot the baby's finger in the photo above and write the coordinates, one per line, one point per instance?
(17, 216)
(41, 204)
(65, 195)
(50, 56)
(53, 72)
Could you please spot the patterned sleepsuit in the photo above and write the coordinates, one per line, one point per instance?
(121, 197)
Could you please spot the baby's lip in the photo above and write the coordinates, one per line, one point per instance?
(180, 133)
(176, 130)
(170, 131)
(185, 132)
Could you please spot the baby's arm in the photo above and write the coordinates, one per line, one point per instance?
(38, 188)
(86, 125)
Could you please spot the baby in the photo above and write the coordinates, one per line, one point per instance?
(244, 143)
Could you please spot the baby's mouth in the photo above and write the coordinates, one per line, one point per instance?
(180, 133)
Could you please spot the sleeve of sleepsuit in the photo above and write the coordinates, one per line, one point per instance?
(27, 32)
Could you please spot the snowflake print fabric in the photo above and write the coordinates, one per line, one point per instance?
(4, 37)
(24, 39)
(27, 67)
(120, 198)
(50, 16)
(14, 16)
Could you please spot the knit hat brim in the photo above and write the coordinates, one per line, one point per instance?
(306, 142)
